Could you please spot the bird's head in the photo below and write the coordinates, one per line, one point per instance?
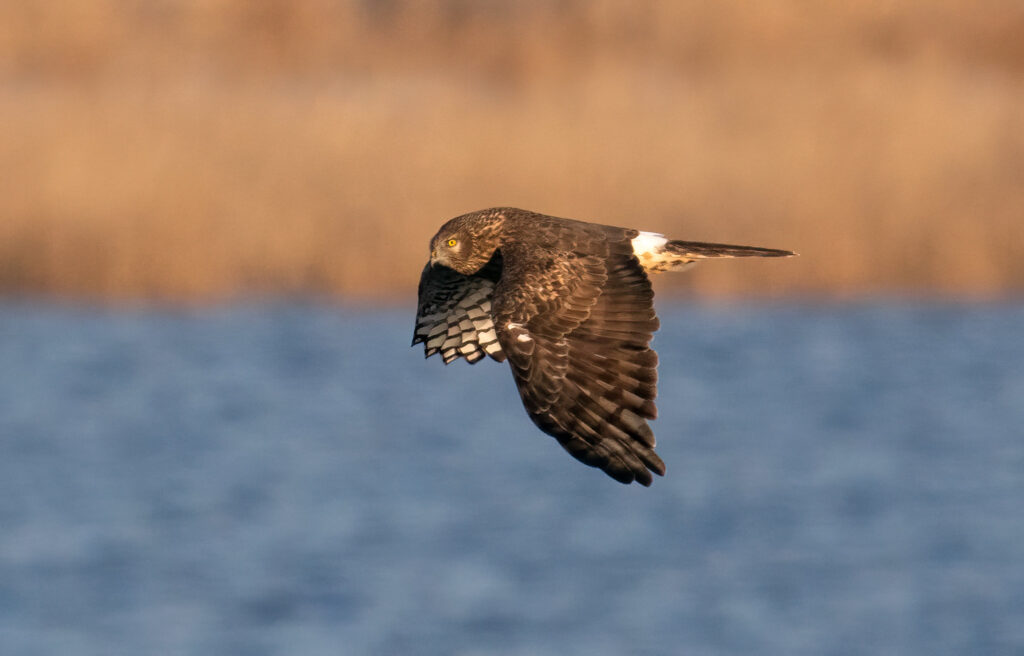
(451, 248)
(465, 243)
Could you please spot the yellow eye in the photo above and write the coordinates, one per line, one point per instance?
(452, 242)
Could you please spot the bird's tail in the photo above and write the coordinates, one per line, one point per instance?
(698, 250)
(669, 255)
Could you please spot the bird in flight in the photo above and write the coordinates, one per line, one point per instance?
(569, 305)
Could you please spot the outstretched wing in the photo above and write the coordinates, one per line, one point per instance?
(576, 329)
(453, 317)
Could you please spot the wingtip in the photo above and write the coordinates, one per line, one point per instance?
(643, 477)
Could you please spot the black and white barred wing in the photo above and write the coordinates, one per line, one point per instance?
(454, 315)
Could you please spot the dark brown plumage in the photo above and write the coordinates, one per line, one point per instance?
(568, 303)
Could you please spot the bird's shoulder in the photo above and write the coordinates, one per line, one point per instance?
(560, 234)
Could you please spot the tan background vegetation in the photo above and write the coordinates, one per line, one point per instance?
(199, 149)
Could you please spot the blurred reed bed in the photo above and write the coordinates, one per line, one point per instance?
(205, 149)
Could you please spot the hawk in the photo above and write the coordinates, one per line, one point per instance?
(569, 305)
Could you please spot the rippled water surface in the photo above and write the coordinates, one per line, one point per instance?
(293, 479)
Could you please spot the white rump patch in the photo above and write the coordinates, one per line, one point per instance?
(648, 243)
(524, 338)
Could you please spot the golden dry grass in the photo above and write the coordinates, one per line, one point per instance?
(199, 149)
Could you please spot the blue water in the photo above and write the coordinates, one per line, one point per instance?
(293, 479)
